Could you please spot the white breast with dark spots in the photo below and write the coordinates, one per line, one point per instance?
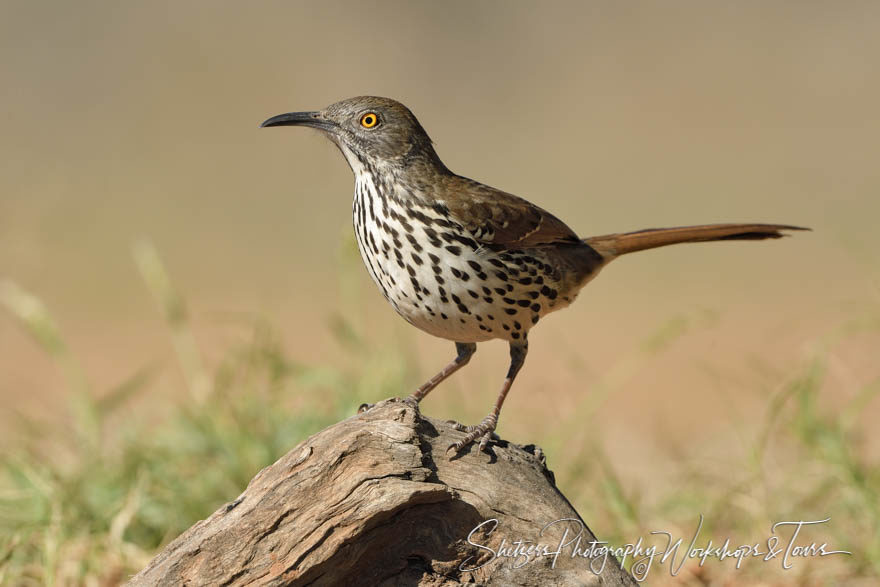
(439, 279)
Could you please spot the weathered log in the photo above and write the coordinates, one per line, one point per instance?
(374, 500)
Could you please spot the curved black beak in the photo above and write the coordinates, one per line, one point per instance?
(312, 119)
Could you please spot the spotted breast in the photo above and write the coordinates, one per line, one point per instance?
(440, 278)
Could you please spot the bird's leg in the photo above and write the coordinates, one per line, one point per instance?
(465, 352)
(486, 428)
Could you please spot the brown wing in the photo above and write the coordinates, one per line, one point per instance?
(501, 219)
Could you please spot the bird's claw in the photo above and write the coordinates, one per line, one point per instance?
(485, 431)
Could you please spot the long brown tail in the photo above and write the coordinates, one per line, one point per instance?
(614, 245)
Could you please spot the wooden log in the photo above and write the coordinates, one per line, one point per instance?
(375, 500)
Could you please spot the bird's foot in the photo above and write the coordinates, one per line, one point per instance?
(485, 431)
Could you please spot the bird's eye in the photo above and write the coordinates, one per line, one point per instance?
(369, 120)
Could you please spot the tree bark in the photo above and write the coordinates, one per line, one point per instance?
(375, 500)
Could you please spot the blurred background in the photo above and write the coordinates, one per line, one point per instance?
(134, 171)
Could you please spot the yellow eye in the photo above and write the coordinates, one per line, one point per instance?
(369, 120)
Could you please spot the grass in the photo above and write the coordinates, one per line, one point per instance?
(90, 504)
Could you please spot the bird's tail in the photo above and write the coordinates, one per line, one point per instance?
(614, 245)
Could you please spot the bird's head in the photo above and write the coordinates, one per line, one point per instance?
(370, 131)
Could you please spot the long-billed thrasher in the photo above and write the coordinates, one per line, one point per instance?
(459, 259)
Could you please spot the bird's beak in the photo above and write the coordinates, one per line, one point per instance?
(313, 119)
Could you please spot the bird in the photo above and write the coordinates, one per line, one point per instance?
(459, 259)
